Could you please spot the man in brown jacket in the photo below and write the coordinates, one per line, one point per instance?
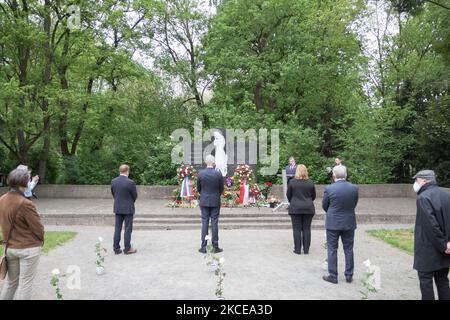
(23, 236)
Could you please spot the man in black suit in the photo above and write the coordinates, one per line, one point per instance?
(339, 202)
(291, 168)
(210, 187)
(124, 192)
(432, 236)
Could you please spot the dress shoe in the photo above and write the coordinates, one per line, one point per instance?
(117, 251)
(297, 252)
(202, 250)
(349, 279)
(306, 252)
(217, 250)
(131, 251)
(330, 279)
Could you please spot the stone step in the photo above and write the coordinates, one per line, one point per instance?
(189, 226)
(102, 219)
(222, 220)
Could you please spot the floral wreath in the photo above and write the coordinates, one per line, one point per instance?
(255, 191)
(186, 170)
(243, 171)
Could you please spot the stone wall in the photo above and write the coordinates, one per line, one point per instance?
(96, 191)
(165, 192)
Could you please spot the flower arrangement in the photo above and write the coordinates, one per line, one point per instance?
(55, 282)
(255, 192)
(265, 189)
(259, 195)
(187, 175)
(243, 171)
(228, 194)
(186, 170)
(184, 204)
(229, 182)
(100, 251)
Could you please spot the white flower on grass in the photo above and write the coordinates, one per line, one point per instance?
(221, 260)
(100, 239)
(367, 263)
(55, 272)
(207, 238)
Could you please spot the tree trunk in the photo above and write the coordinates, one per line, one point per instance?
(47, 78)
(45, 152)
(258, 95)
(62, 70)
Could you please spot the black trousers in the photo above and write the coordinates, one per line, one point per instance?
(120, 219)
(213, 214)
(347, 237)
(301, 227)
(440, 279)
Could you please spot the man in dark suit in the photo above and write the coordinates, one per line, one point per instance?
(291, 168)
(432, 236)
(339, 202)
(124, 192)
(210, 187)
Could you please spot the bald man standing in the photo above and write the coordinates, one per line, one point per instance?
(124, 192)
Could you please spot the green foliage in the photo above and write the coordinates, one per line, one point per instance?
(76, 103)
(304, 145)
(370, 151)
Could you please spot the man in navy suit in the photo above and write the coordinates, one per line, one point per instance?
(291, 168)
(124, 192)
(339, 202)
(210, 187)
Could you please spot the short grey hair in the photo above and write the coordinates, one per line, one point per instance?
(23, 167)
(340, 172)
(209, 160)
(18, 178)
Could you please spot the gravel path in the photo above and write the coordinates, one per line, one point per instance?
(259, 265)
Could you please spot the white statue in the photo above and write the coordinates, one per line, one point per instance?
(220, 155)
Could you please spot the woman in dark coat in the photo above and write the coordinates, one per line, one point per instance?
(301, 194)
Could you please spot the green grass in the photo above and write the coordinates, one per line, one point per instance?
(53, 239)
(399, 238)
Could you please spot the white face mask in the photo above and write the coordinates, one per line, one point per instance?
(416, 187)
